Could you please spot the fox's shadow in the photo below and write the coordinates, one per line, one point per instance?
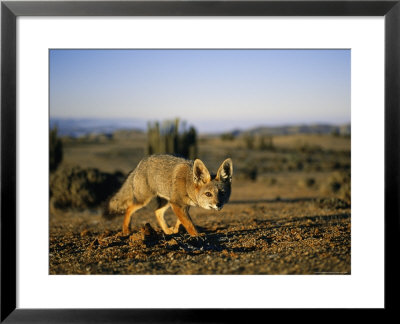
(209, 241)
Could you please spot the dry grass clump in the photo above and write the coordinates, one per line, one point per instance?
(80, 188)
(307, 182)
(339, 184)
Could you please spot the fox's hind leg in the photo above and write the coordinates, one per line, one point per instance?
(127, 219)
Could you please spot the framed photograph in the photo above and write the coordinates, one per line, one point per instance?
(274, 123)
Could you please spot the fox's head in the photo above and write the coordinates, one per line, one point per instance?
(212, 193)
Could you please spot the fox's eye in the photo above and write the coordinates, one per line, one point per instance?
(208, 194)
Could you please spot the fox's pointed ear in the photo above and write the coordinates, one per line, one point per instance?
(200, 173)
(225, 171)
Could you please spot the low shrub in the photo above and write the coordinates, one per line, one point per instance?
(75, 187)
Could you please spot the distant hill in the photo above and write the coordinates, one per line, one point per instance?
(299, 129)
(126, 128)
(91, 126)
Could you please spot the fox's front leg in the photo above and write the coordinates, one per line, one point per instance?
(160, 217)
(183, 216)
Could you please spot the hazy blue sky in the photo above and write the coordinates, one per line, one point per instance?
(208, 88)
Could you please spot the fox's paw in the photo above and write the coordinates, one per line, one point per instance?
(176, 227)
(170, 230)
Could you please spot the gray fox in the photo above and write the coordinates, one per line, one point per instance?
(172, 182)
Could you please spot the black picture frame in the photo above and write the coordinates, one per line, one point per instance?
(10, 10)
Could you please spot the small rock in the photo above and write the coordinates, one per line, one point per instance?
(135, 237)
(172, 242)
(148, 233)
(85, 232)
(95, 244)
(104, 234)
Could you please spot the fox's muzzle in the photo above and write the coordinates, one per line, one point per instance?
(217, 207)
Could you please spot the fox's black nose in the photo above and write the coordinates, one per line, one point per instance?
(219, 205)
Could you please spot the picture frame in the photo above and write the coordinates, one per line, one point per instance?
(10, 10)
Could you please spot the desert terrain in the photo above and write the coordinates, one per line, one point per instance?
(289, 211)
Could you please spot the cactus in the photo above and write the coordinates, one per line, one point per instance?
(266, 142)
(168, 139)
(56, 149)
(249, 140)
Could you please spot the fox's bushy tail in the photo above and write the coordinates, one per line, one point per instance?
(118, 203)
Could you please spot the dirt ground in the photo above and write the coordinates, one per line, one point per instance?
(255, 233)
(289, 213)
